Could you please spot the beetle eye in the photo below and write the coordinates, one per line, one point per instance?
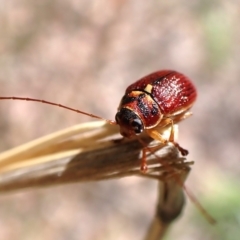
(129, 122)
(136, 125)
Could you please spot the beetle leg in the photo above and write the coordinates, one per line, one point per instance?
(151, 149)
(144, 160)
(171, 137)
(157, 136)
(183, 151)
(154, 133)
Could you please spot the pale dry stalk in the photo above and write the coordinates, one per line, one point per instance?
(94, 152)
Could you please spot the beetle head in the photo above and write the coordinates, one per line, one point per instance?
(129, 122)
(137, 111)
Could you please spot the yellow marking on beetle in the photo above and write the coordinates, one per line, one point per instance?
(148, 88)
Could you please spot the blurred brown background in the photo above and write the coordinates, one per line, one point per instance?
(84, 54)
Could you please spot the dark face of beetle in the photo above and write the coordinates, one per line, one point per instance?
(129, 122)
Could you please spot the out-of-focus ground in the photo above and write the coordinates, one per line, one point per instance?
(84, 54)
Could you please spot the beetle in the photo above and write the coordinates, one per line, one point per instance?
(155, 101)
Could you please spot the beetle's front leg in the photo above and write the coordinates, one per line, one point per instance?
(155, 134)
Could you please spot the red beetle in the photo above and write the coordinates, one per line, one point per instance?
(154, 101)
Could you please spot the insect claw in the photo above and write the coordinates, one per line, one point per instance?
(183, 151)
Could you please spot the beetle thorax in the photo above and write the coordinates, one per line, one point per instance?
(137, 111)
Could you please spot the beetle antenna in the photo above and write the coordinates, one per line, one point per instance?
(58, 105)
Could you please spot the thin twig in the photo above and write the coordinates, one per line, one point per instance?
(169, 207)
